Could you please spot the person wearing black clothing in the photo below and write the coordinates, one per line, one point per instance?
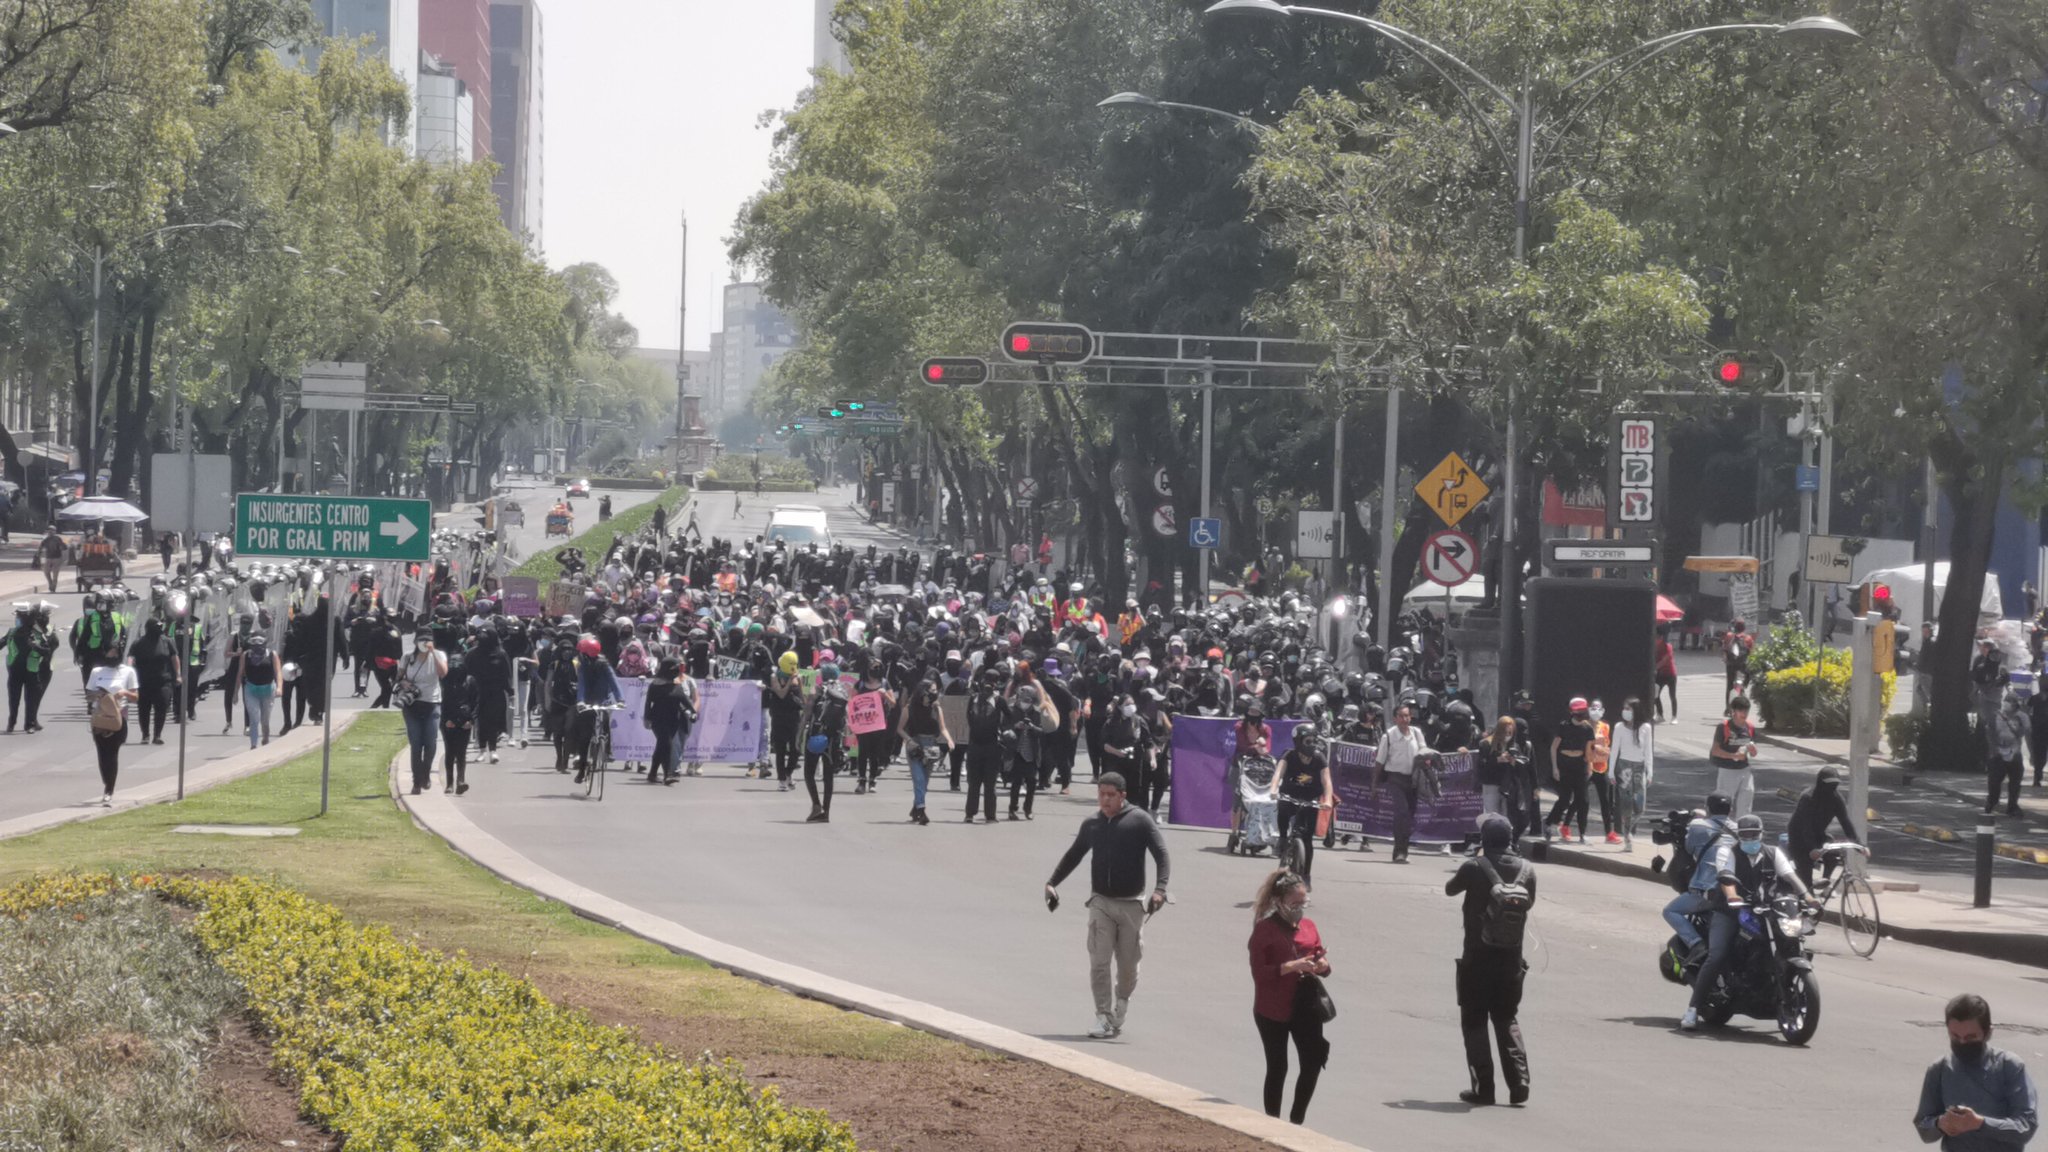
(1569, 749)
(1499, 763)
(1031, 720)
(1117, 838)
(1057, 759)
(361, 629)
(458, 721)
(386, 649)
(984, 746)
(872, 749)
(785, 702)
(156, 674)
(669, 711)
(1303, 785)
(1816, 809)
(491, 668)
(1489, 975)
(1155, 755)
(955, 684)
(828, 735)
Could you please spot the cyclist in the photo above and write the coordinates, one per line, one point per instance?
(1303, 787)
(1818, 808)
(596, 688)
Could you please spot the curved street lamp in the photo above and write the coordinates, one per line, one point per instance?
(1142, 102)
(1525, 163)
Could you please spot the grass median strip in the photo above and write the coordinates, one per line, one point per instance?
(596, 540)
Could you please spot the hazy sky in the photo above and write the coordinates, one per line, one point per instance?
(651, 110)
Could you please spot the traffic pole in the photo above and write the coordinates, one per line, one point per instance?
(327, 687)
(1987, 836)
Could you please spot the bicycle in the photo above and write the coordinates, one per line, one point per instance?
(1861, 923)
(598, 754)
(1297, 831)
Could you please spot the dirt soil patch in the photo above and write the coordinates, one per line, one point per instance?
(963, 1101)
(265, 1110)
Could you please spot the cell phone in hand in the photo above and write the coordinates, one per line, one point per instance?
(1052, 901)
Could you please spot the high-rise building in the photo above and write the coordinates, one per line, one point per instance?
(393, 30)
(445, 112)
(458, 33)
(516, 122)
(756, 335)
(826, 50)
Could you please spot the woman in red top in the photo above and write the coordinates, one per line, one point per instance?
(1285, 947)
(1254, 735)
(1667, 675)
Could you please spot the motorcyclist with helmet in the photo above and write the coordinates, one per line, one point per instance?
(1750, 872)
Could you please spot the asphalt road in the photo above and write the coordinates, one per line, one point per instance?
(951, 914)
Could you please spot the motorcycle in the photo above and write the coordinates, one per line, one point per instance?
(1769, 974)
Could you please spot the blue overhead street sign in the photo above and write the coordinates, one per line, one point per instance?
(1205, 533)
(1808, 478)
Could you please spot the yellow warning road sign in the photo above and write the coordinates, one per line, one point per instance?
(1452, 489)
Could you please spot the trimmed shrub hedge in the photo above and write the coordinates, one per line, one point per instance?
(596, 540)
(395, 1047)
(708, 484)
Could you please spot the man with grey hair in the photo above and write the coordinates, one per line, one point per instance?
(1119, 836)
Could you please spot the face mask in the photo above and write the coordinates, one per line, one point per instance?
(1597, 713)
(421, 645)
(1130, 709)
(1971, 1053)
(1628, 715)
(1751, 847)
(1292, 915)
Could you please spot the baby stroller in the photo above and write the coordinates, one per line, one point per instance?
(1254, 814)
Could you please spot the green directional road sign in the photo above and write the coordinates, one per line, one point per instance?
(332, 527)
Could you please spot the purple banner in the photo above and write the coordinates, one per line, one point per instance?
(728, 728)
(1203, 747)
(1444, 818)
(522, 596)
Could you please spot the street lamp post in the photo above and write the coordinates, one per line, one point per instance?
(1527, 164)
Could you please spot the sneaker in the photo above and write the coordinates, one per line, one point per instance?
(266, 741)
(1477, 1098)
(1690, 1022)
(1614, 837)
(492, 757)
(1550, 833)
(461, 788)
(1116, 1018)
(447, 789)
(1518, 1096)
(1104, 1029)
(107, 801)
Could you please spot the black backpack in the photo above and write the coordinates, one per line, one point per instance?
(984, 719)
(1684, 863)
(828, 712)
(1506, 915)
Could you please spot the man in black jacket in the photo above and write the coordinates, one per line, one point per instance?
(1490, 972)
(1119, 836)
(1816, 809)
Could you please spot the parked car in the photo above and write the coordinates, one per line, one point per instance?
(798, 525)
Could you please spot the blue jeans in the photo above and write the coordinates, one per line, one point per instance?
(256, 701)
(923, 749)
(1722, 929)
(1676, 914)
(422, 729)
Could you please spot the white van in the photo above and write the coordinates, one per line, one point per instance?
(1463, 598)
(798, 525)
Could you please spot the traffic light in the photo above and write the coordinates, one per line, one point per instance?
(833, 413)
(1874, 597)
(853, 405)
(1755, 372)
(956, 372)
(796, 427)
(1048, 343)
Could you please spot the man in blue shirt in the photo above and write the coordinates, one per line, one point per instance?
(1977, 1098)
(1700, 835)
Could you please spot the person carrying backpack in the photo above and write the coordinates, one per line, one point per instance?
(826, 742)
(1692, 873)
(108, 693)
(1499, 889)
(1735, 647)
(984, 744)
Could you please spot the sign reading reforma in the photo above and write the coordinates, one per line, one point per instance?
(332, 527)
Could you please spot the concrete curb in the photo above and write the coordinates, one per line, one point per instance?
(441, 815)
(1889, 774)
(2026, 948)
(242, 765)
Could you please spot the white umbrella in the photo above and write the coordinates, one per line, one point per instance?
(103, 509)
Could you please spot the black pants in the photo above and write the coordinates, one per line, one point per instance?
(287, 697)
(362, 676)
(832, 758)
(1571, 793)
(22, 685)
(1603, 790)
(1156, 778)
(385, 678)
(108, 745)
(230, 687)
(873, 752)
(1490, 994)
(983, 766)
(193, 685)
(956, 759)
(152, 708)
(1092, 732)
(1307, 1032)
(2037, 750)
(2005, 772)
(1404, 798)
(1300, 820)
(454, 756)
(1664, 682)
(782, 742)
(1023, 778)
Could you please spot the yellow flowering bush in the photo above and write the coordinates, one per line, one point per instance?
(1812, 699)
(402, 1049)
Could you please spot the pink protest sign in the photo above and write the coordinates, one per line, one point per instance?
(865, 714)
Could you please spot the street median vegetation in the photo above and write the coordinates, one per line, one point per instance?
(394, 1046)
(596, 540)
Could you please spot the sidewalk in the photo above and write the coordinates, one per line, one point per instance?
(19, 581)
(198, 778)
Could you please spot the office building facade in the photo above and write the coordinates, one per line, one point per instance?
(517, 103)
(392, 28)
(458, 34)
(756, 335)
(445, 112)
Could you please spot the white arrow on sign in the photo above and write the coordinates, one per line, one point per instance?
(402, 531)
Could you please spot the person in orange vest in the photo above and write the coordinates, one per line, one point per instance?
(1596, 760)
(1130, 623)
(1077, 610)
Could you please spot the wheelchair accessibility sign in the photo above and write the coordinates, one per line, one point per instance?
(1205, 533)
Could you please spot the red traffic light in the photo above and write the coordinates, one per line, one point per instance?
(1749, 371)
(1881, 593)
(1048, 343)
(955, 371)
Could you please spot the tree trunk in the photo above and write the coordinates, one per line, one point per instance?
(1973, 488)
